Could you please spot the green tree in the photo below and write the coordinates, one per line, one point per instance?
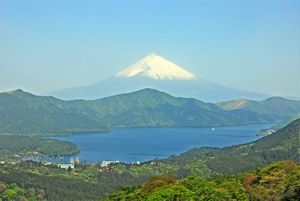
(9, 195)
(156, 182)
(69, 170)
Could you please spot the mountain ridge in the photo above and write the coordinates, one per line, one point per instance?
(22, 112)
(25, 113)
(273, 105)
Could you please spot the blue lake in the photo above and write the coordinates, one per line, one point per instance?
(143, 144)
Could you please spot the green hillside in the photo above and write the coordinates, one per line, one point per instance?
(24, 113)
(285, 122)
(150, 107)
(275, 105)
(281, 145)
(278, 181)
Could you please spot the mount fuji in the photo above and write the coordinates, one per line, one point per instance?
(156, 72)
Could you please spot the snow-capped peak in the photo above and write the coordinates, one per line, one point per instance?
(156, 67)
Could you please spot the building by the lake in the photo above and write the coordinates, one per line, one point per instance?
(70, 164)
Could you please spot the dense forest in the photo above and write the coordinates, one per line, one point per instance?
(11, 145)
(56, 183)
(278, 181)
(93, 181)
(25, 113)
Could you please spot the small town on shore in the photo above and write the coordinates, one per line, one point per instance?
(72, 163)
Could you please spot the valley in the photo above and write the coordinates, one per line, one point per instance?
(25, 116)
(93, 181)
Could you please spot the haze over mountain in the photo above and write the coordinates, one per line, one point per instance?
(156, 72)
(274, 105)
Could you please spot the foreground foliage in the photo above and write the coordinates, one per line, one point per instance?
(34, 181)
(57, 183)
(279, 181)
(12, 192)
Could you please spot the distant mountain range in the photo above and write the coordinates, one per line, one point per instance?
(150, 107)
(275, 105)
(22, 112)
(158, 73)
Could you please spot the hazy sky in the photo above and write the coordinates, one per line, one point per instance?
(47, 45)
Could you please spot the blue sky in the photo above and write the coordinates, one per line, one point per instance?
(244, 44)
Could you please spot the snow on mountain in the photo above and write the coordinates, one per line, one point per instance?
(156, 67)
(158, 73)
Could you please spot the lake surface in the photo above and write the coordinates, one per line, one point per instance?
(143, 144)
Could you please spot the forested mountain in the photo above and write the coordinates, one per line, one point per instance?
(24, 113)
(274, 105)
(150, 107)
(281, 145)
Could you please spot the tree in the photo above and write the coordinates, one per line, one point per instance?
(77, 161)
(2, 188)
(248, 180)
(156, 182)
(9, 195)
(22, 198)
(69, 169)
